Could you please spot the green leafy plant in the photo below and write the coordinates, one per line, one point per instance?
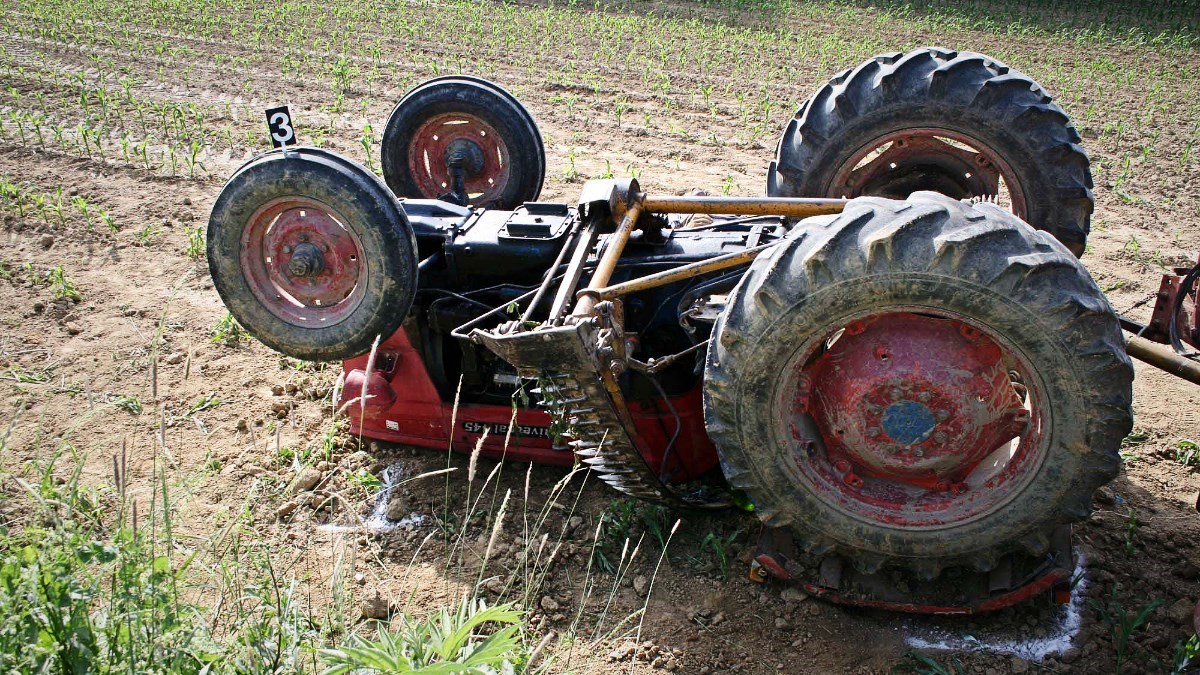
(1121, 623)
(1186, 656)
(228, 331)
(465, 640)
(62, 286)
(923, 664)
(720, 550)
(1187, 453)
(196, 244)
(365, 480)
(127, 403)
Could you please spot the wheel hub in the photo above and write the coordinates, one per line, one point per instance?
(306, 261)
(912, 419)
(301, 262)
(914, 399)
(465, 153)
(459, 140)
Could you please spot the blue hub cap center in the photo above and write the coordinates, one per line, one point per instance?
(908, 422)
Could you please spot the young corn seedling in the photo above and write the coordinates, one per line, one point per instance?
(192, 158)
(195, 249)
(62, 286)
(1122, 624)
(366, 140)
(84, 209)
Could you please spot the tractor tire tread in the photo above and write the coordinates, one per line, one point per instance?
(1050, 297)
(963, 91)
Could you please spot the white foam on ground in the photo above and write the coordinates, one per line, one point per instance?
(378, 521)
(1059, 635)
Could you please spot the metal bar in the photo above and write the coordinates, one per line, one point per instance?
(608, 262)
(678, 274)
(566, 290)
(1163, 358)
(744, 206)
(562, 253)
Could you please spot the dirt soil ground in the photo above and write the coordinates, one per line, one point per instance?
(139, 361)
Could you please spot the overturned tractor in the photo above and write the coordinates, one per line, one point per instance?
(896, 357)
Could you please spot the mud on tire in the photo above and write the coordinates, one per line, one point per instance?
(988, 103)
(361, 276)
(928, 255)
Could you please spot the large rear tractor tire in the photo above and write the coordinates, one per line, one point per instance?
(918, 384)
(958, 123)
(312, 254)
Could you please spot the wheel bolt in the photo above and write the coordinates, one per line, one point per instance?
(872, 432)
(896, 394)
(287, 249)
(939, 437)
(923, 397)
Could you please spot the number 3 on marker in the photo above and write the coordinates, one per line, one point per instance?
(279, 125)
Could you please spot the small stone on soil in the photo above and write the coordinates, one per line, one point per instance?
(306, 480)
(793, 594)
(396, 508)
(286, 509)
(173, 359)
(641, 584)
(375, 607)
(46, 241)
(1181, 611)
(548, 604)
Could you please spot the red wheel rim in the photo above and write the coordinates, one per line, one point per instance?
(303, 263)
(927, 158)
(487, 171)
(913, 418)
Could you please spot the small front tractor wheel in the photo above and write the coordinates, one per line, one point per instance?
(466, 140)
(958, 123)
(312, 254)
(918, 384)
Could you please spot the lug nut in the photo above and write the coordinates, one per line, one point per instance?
(939, 437)
(872, 432)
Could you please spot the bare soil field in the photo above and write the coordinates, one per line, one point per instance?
(121, 120)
